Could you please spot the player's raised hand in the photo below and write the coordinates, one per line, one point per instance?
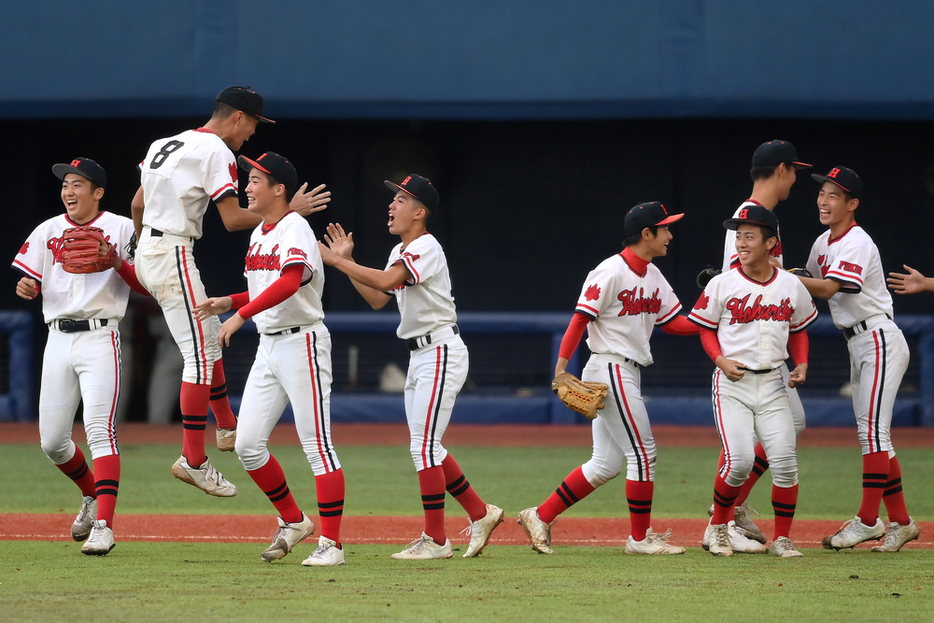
(798, 375)
(307, 203)
(27, 288)
(733, 369)
(212, 307)
(340, 242)
(230, 326)
(910, 283)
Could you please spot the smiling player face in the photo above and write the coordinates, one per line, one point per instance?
(751, 247)
(658, 246)
(833, 207)
(81, 203)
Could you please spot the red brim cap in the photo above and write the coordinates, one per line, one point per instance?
(670, 219)
(255, 164)
(268, 120)
(802, 165)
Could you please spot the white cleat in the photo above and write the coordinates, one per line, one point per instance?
(481, 530)
(226, 439)
(741, 543)
(81, 528)
(853, 533)
(425, 548)
(101, 540)
(538, 531)
(741, 516)
(328, 554)
(717, 540)
(205, 478)
(655, 544)
(897, 535)
(287, 536)
(784, 548)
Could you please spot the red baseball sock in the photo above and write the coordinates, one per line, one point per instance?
(77, 469)
(784, 501)
(893, 497)
(431, 483)
(220, 404)
(639, 496)
(758, 468)
(107, 469)
(271, 480)
(458, 486)
(875, 477)
(724, 498)
(194, 404)
(330, 489)
(573, 489)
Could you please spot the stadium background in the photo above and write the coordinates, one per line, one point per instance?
(540, 122)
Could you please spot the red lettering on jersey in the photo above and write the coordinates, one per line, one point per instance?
(411, 256)
(57, 247)
(702, 301)
(24, 248)
(823, 269)
(634, 305)
(856, 269)
(294, 251)
(262, 261)
(592, 293)
(820, 259)
(232, 167)
(743, 213)
(833, 173)
(744, 313)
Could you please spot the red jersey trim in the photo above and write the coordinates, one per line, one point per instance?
(758, 283)
(831, 240)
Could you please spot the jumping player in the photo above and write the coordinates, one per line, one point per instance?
(293, 362)
(82, 355)
(180, 176)
(750, 315)
(774, 170)
(623, 299)
(853, 282)
(417, 276)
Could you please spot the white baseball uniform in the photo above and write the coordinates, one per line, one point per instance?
(180, 176)
(863, 309)
(82, 356)
(438, 361)
(731, 260)
(753, 321)
(293, 361)
(625, 304)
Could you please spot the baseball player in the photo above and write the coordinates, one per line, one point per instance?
(180, 176)
(82, 355)
(293, 363)
(774, 170)
(623, 299)
(417, 276)
(911, 282)
(851, 279)
(752, 317)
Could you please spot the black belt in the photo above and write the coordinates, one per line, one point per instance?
(850, 332)
(414, 343)
(155, 233)
(67, 325)
(761, 371)
(285, 331)
(635, 363)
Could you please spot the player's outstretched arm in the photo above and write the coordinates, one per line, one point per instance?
(820, 288)
(27, 288)
(911, 282)
(234, 217)
(307, 203)
(213, 306)
(137, 206)
(371, 283)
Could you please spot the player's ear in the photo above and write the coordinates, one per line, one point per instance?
(98, 193)
(852, 204)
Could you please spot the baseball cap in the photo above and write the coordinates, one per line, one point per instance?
(649, 214)
(844, 178)
(776, 152)
(275, 165)
(245, 99)
(420, 188)
(753, 215)
(85, 167)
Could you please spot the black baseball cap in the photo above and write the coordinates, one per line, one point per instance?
(649, 214)
(275, 165)
(245, 99)
(85, 167)
(844, 178)
(420, 188)
(776, 152)
(753, 215)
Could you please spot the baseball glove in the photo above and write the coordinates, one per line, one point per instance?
(585, 397)
(81, 251)
(800, 272)
(704, 276)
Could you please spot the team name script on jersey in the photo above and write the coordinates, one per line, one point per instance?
(743, 313)
(57, 247)
(262, 261)
(634, 305)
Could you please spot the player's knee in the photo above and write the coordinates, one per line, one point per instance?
(252, 456)
(784, 470)
(599, 473)
(58, 450)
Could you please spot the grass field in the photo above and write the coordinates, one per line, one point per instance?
(142, 581)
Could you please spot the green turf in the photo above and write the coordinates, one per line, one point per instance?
(382, 481)
(224, 582)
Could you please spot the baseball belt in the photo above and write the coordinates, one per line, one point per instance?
(414, 343)
(68, 325)
(860, 327)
